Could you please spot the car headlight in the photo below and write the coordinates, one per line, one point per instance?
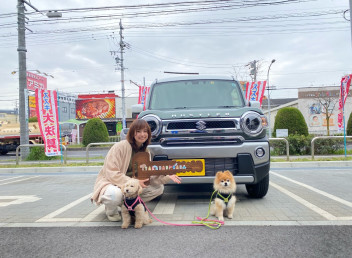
(154, 123)
(252, 123)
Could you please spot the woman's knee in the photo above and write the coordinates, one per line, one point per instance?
(112, 196)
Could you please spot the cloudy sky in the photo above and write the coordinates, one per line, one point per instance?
(309, 39)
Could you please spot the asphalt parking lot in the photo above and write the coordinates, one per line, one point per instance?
(297, 196)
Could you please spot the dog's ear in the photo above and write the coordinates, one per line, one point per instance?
(218, 173)
(122, 188)
(228, 173)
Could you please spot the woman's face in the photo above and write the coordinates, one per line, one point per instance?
(141, 136)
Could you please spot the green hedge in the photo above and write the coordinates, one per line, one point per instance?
(301, 145)
(95, 131)
(38, 153)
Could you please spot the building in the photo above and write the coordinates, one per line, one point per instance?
(314, 103)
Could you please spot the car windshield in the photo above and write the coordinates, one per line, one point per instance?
(196, 94)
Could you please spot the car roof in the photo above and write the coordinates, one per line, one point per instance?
(194, 77)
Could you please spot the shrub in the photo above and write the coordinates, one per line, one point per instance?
(292, 119)
(32, 119)
(38, 153)
(349, 125)
(95, 131)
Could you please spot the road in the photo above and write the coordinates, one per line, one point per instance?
(307, 212)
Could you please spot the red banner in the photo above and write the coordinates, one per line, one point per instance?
(35, 81)
(345, 86)
(48, 120)
(143, 94)
(255, 91)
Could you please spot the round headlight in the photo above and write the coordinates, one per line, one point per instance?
(251, 123)
(155, 124)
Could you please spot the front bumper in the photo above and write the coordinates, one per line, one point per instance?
(241, 160)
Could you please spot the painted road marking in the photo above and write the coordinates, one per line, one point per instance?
(51, 216)
(302, 201)
(166, 205)
(332, 197)
(6, 179)
(20, 180)
(94, 213)
(17, 199)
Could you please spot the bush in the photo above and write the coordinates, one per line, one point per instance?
(38, 153)
(292, 119)
(32, 119)
(349, 125)
(95, 131)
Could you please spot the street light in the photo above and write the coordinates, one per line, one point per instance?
(267, 80)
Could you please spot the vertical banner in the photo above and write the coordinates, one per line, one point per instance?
(143, 94)
(345, 86)
(255, 91)
(48, 120)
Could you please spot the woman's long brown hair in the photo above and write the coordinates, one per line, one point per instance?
(137, 125)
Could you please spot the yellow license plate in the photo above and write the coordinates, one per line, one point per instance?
(190, 173)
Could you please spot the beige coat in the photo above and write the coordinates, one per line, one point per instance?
(114, 170)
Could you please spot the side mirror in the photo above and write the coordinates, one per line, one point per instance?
(255, 104)
(136, 109)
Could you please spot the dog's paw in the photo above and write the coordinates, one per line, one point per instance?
(124, 226)
(138, 225)
(230, 216)
(221, 218)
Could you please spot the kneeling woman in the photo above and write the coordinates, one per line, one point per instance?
(117, 169)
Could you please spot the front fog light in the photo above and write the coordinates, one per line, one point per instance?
(260, 152)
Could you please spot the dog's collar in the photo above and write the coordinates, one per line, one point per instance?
(226, 200)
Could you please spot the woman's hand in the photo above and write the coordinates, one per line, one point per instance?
(144, 183)
(175, 178)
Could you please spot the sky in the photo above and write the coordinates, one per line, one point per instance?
(310, 41)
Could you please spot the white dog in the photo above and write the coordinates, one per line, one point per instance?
(133, 207)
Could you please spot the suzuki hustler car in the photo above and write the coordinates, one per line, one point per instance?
(208, 118)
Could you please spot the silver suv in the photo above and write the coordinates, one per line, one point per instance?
(208, 118)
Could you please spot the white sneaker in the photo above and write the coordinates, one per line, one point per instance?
(115, 217)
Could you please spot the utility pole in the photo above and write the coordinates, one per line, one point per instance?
(253, 70)
(122, 45)
(22, 67)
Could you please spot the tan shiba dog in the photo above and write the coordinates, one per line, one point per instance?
(133, 207)
(224, 202)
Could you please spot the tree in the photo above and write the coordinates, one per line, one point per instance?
(328, 103)
(292, 119)
(349, 125)
(95, 131)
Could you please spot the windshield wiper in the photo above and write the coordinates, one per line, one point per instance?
(180, 107)
(226, 106)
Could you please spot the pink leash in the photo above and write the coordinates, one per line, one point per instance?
(213, 224)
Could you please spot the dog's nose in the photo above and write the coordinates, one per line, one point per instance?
(225, 184)
(126, 190)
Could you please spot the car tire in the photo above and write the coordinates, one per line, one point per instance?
(259, 190)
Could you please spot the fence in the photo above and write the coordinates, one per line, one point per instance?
(325, 137)
(287, 146)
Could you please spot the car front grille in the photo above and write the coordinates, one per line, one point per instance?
(213, 165)
(192, 125)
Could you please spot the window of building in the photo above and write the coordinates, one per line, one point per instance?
(64, 109)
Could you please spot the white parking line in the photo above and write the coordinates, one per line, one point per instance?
(166, 205)
(302, 201)
(51, 216)
(94, 213)
(6, 179)
(332, 197)
(28, 178)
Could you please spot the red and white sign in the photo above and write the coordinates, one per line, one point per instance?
(345, 86)
(255, 91)
(143, 94)
(35, 81)
(48, 120)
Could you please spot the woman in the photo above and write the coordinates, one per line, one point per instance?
(117, 169)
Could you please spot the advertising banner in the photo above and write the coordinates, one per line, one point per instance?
(255, 91)
(95, 108)
(143, 94)
(48, 120)
(345, 86)
(35, 81)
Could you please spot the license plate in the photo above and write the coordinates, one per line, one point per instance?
(190, 173)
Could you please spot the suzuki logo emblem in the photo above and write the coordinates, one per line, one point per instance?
(201, 125)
